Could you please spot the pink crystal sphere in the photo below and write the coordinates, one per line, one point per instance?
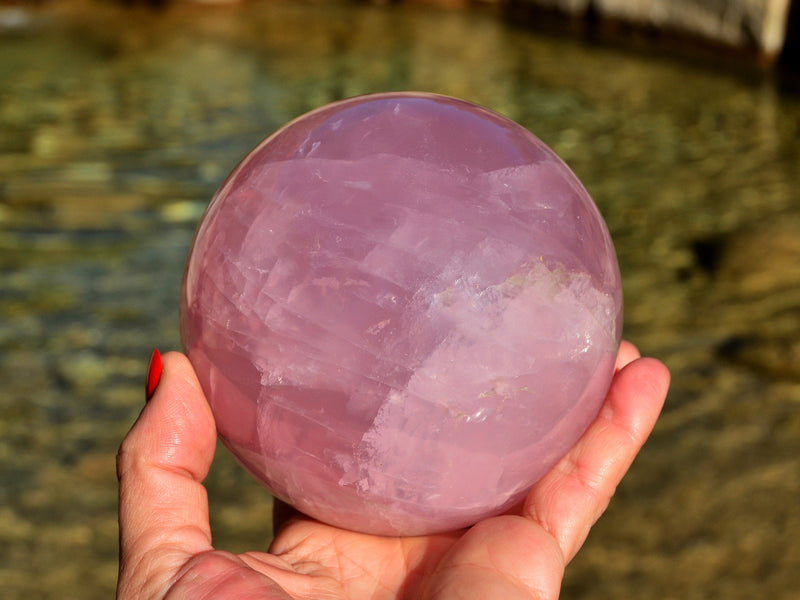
(404, 309)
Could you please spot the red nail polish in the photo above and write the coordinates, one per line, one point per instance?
(153, 374)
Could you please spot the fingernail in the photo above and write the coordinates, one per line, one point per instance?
(153, 374)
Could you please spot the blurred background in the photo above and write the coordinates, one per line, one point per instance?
(118, 120)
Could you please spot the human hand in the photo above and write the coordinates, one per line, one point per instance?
(165, 537)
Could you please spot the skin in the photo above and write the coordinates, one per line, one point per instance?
(165, 537)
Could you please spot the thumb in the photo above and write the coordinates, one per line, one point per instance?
(163, 506)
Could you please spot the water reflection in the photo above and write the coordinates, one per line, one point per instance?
(113, 138)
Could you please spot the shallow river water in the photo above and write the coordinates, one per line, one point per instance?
(116, 127)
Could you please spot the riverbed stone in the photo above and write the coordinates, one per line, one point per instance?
(759, 269)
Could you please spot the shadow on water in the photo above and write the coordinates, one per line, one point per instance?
(117, 125)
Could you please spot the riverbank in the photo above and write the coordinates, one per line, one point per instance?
(765, 30)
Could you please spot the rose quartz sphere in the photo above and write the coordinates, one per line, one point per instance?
(404, 310)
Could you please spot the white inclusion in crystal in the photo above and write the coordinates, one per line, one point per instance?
(516, 329)
(349, 467)
(479, 416)
(270, 377)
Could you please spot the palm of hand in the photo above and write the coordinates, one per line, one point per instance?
(312, 560)
(165, 538)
